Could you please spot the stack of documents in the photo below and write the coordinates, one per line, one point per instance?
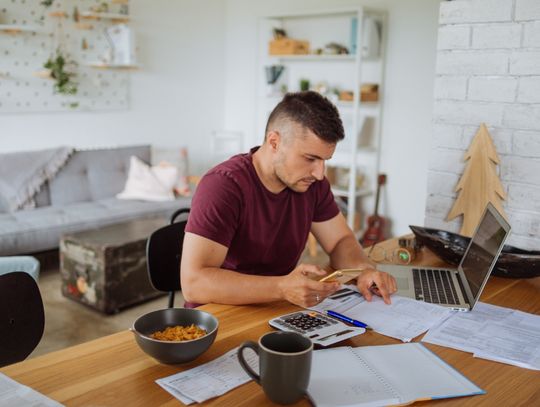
(211, 379)
(404, 319)
(494, 333)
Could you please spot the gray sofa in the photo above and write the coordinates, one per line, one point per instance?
(81, 196)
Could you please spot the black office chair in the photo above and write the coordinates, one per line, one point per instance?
(164, 254)
(22, 318)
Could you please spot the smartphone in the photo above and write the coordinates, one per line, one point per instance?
(332, 278)
(341, 276)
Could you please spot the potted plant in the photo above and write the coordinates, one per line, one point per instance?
(59, 72)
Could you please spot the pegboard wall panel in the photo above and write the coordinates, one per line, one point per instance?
(29, 35)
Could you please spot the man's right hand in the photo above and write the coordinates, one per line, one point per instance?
(297, 288)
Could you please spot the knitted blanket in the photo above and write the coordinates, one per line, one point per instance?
(23, 174)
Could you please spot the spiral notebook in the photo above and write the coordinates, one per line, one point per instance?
(383, 375)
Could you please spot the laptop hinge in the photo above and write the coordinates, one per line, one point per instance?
(462, 287)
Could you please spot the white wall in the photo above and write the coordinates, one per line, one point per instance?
(177, 96)
(488, 71)
(406, 128)
(198, 74)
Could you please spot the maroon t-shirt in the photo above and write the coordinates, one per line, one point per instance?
(265, 232)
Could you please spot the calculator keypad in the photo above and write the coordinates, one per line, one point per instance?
(321, 329)
(304, 323)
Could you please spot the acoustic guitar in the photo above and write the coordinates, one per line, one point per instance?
(375, 230)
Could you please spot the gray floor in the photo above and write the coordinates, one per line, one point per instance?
(68, 323)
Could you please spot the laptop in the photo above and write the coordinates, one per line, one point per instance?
(458, 289)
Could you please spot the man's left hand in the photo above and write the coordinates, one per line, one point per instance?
(384, 284)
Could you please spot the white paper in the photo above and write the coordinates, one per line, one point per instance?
(493, 333)
(383, 375)
(338, 370)
(14, 394)
(404, 319)
(211, 379)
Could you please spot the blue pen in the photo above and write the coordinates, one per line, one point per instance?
(349, 320)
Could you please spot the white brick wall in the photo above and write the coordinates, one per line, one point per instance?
(451, 87)
(529, 89)
(531, 34)
(527, 10)
(477, 62)
(496, 36)
(464, 113)
(524, 62)
(454, 37)
(477, 11)
(493, 89)
(527, 144)
(488, 71)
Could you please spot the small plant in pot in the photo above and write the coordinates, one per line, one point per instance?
(64, 78)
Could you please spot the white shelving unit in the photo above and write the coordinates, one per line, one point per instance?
(360, 148)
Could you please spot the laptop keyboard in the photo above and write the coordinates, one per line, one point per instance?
(434, 286)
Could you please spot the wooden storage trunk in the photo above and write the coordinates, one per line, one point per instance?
(105, 268)
(289, 47)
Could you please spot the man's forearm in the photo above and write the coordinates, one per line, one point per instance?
(215, 285)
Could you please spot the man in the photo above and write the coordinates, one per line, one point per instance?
(251, 217)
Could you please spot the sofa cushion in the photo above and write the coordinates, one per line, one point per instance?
(149, 183)
(94, 174)
(39, 229)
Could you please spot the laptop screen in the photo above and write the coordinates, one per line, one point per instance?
(483, 251)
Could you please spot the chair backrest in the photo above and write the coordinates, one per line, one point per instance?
(164, 254)
(22, 318)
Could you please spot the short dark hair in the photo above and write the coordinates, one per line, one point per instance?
(312, 111)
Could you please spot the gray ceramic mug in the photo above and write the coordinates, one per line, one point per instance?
(284, 363)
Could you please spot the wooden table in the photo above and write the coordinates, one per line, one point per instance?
(113, 371)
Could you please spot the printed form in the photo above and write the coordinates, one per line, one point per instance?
(493, 333)
(404, 319)
(211, 379)
(14, 394)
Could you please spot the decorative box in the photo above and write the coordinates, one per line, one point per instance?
(288, 47)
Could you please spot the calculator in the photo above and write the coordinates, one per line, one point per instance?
(322, 329)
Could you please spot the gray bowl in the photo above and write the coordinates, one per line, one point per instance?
(175, 353)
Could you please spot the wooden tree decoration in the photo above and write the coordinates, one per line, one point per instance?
(479, 184)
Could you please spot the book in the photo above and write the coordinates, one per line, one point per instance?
(383, 375)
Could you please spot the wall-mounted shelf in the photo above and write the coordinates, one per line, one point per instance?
(83, 26)
(101, 65)
(118, 18)
(43, 74)
(345, 192)
(59, 14)
(317, 58)
(346, 103)
(15, 29)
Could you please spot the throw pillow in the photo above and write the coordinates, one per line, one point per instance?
(177, 158)
(149, 183)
